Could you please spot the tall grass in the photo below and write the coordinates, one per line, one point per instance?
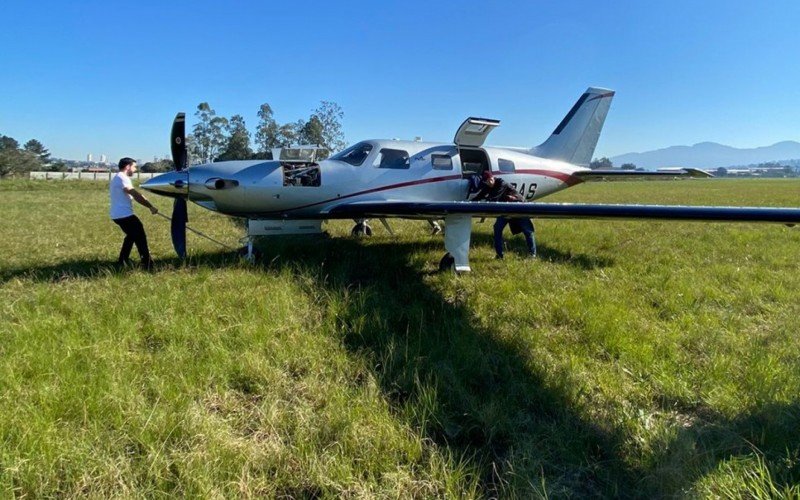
(633, 359)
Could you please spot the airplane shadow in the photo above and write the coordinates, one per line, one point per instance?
(516, 245)
(452, 380)
(488, 402)
(93, 268)
(481, 397)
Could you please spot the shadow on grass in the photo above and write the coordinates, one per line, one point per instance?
(770, 432)
(489, 402)
(451, 379)
(95, 268)
(481, 397)
(516, 245)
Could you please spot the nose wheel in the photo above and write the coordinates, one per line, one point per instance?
(361, 228)
(249, 252)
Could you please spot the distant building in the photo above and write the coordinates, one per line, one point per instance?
(89, 157)
(103, 159)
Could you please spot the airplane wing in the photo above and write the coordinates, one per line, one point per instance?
(380, 209)
(610, 175)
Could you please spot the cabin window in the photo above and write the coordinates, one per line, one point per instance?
(354, 155)
(442, 162)
(392, 158)
(505, 165)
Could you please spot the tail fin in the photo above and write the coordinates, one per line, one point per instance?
(576, 136)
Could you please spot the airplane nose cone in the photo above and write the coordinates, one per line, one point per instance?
(169, 184)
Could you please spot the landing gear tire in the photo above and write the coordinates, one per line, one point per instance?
(361, 229)
(447, 264)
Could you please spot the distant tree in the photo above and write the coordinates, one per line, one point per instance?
(208, 133)
(37, 148)
(721, 172)
(56, 166)
(164, 165)
(289, 133)
(628, 166)
(7, 143)
(602, 164)
(238, 146)
(329, 114)
(267, 131)
(262, 155)
(17, 162)
(7, 160)
(312, 132)
(191, 150)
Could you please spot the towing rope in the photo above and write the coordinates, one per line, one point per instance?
(195, 231)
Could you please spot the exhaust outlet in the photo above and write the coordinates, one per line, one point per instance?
(217, 183)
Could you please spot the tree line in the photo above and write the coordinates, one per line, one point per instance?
(606, 164)
(16, 160)
(216, 138)
(213, 138)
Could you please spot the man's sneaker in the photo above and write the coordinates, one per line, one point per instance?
(532, 255)
(498, 257)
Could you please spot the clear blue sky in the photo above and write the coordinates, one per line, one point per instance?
(108, 77)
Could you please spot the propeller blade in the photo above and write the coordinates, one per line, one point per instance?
(180, 217)
(178, 142)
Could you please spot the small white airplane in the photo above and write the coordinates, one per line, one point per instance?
(420, 180)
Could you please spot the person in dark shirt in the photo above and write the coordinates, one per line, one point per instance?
(496, 189)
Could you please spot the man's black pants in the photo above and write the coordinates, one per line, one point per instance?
(134, 233)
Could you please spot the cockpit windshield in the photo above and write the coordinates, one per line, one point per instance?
(354, 155)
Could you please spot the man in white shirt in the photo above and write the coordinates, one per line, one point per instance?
(122, 192)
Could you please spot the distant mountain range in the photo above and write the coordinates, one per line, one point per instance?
(710, 155)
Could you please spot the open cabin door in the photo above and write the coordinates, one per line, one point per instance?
(473, 132)
(470, 137)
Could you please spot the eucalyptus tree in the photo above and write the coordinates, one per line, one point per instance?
(208, 134)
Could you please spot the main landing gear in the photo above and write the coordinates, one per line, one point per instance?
(362, 228)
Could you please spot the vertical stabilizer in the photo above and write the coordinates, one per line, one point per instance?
(576, 136)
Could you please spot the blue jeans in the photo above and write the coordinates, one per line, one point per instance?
(527, 229)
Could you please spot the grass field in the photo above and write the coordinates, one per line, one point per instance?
(634, 359)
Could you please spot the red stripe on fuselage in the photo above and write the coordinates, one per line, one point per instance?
(566, 178)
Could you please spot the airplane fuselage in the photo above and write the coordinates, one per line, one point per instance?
(390, 171)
